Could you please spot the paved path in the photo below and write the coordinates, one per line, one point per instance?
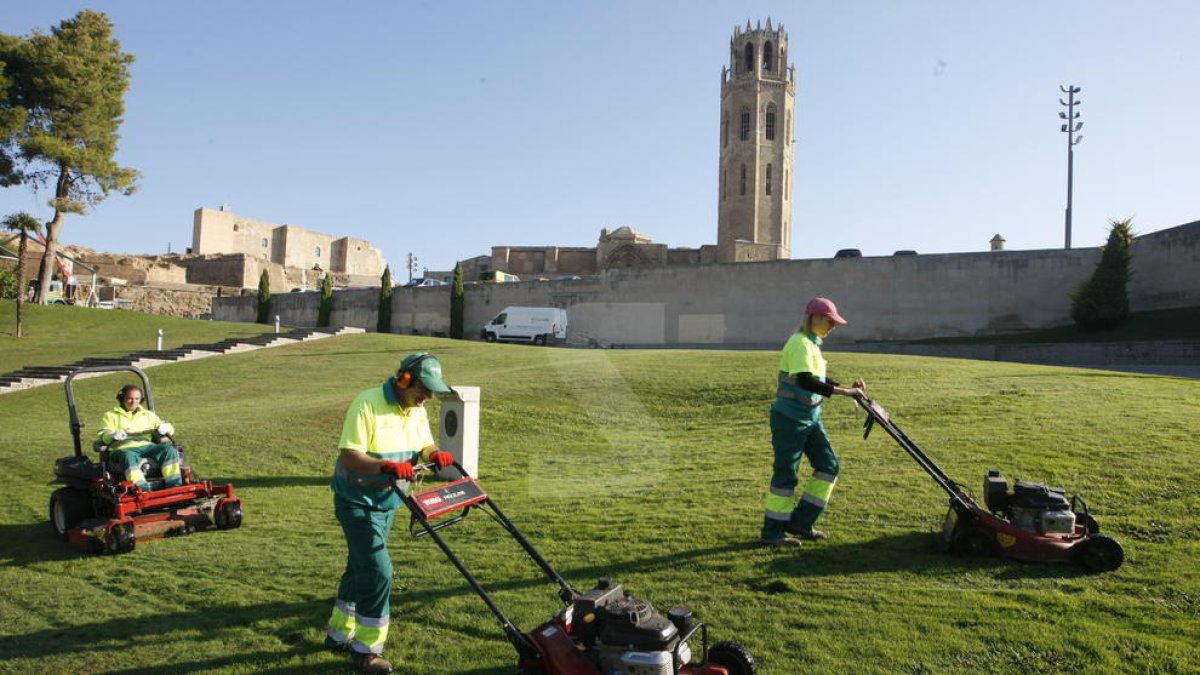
(37, 376)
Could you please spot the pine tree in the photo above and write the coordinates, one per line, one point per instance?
(71, 86)
(264, 297)
(1102, 302)
(385, 302)
(457, 303)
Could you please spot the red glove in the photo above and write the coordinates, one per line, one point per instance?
(442, 458)
(401, 470)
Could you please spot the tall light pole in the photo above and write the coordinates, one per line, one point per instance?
(412, 265)
(1069, 127)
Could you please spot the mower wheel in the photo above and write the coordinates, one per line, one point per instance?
(121, 539)
(68, 508)
(734, 657)
(975, 542)
(229, 516)
(1099, 553)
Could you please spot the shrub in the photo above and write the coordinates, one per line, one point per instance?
(1102, 302)
(8, 284)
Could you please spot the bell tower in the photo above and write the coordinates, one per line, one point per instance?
(758, 99)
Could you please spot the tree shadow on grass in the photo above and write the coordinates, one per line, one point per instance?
(100, 646)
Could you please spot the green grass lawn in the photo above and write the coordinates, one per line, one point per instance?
(650, 466)
(55, 335)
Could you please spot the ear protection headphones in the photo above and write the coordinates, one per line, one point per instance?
(125, 390)
(405, 377)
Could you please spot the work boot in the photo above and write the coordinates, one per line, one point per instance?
(335, 646)
(374, 664)
(810, 534)
(781, 542)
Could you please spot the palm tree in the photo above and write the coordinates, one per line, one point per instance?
(22, 223)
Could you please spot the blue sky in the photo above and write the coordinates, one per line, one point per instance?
(444, 128)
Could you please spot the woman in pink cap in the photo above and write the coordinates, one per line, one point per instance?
(796, 430)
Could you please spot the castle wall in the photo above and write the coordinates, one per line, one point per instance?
(222, 232)
(215, 231)
(884, 298)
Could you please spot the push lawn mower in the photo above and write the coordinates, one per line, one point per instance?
(98, 511)
(1033, 522)
(604, 631)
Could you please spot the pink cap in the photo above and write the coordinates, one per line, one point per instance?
(825, 307)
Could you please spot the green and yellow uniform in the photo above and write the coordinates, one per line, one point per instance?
(365, 505)
(127, 454)
(797, 430)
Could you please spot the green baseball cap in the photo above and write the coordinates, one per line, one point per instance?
(426, 368)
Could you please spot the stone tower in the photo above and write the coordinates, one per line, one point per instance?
(758, 97)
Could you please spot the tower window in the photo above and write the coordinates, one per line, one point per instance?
(725, 130)
(724, 179)
(317, 252)
(771, 122)
(742, 190)
(748, 61)
(745, 133)
(768, 57)
(768, 183)
(264, 242)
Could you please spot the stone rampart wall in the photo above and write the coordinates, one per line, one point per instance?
(884, 298)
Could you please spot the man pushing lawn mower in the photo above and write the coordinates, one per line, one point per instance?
(385, 431)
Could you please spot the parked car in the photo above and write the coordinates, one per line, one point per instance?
(848, 253)
(422, 282)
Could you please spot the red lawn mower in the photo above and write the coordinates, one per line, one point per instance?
(1032, 522)
(604, 631)
(97, 511)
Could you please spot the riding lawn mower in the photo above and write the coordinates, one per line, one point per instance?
(604, 631)
(1031, 522)
(97, 511)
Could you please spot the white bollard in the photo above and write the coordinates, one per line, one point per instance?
(276, 324)
(460, 429)
(158, 346)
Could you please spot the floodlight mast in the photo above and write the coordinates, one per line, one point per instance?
(1069, 127)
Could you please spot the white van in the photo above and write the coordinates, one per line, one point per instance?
(539, 325)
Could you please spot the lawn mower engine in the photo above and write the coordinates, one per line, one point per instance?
(1033, 507)
(625, 635)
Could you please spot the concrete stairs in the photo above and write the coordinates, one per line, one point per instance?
(36, 376)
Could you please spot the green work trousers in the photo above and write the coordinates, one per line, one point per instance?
(360, 615)
(129, 462)
(791, 439)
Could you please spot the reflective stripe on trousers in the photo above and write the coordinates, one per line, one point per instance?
(792, 439)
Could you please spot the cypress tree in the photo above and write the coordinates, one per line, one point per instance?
(326, 301)
(1102, 302)
(385, 302)
(457, 303)
(264, 297)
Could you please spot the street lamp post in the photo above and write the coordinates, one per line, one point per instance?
(1069, 127)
